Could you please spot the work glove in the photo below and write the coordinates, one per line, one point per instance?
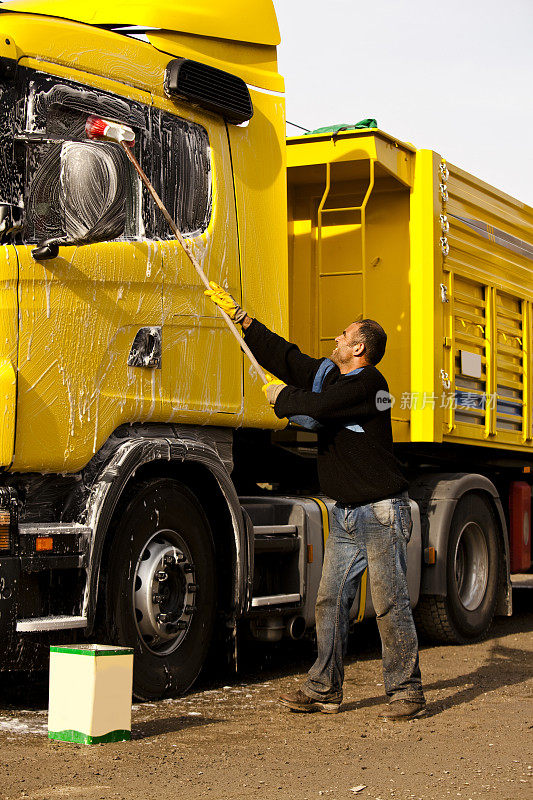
(225, 301)
(272, 388)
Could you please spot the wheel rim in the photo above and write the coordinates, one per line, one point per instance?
(471, 566)
(164, 591)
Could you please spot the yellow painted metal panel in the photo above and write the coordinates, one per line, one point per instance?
(232, 19)
(258, 157)
(325, 518)
(79, 314)
(254, 63)
(204, 369)
(61, 44)
(309, 151)
(349, 249)
(338, 137)
(341, 297)
(362, 596)
(8, 349)
(387, 288)
(8, 396)
(527, 387)
(490, 257)
(8, 48)
(302, 278)
(426, 324)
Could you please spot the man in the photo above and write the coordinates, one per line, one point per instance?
(343, 398)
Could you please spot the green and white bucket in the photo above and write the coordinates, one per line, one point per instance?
(90, 693)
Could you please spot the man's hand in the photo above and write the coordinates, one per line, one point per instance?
(272, 388)
(225, 301)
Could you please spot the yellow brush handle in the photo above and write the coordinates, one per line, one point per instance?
(231, 325)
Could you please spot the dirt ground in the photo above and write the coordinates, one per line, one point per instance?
(229, 739)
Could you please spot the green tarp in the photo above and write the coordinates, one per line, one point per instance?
(347, 126)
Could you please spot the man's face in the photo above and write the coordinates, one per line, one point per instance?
(345, 343)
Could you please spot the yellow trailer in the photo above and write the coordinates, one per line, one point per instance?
(441, 259)
(444, 262)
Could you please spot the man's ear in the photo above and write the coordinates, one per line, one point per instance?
(359, 349)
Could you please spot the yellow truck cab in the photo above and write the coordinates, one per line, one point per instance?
(149, 496)
(108, 344)
(120, 293)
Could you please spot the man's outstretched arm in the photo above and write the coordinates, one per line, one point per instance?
(347, 400)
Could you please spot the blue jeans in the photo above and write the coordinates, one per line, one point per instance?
(374, 535)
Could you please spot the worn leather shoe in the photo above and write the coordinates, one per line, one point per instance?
(299, 701)
(400, 710)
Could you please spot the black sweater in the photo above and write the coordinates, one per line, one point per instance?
(353, 467)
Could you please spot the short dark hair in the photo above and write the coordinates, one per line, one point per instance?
(374, 338)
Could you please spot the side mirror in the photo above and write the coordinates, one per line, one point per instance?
(45, 251)
(11, 221)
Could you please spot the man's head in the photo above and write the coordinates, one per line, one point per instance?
(362, 343)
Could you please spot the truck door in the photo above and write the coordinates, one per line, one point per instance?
(80, 312)
(202, 364)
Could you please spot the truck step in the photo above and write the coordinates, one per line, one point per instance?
(275, 600)
(276, 544)
(272, 513)
(277, 530)
(54, 529)
(62, 539)
(279, 527)
(276, 538)
(35, 624)
(57, 545)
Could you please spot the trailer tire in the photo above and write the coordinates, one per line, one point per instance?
(473, 568)
(161, 587)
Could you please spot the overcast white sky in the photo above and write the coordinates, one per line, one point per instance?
(454, 76)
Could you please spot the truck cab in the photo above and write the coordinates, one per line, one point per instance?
(112, 360)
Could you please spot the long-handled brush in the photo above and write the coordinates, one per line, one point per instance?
(97, 128)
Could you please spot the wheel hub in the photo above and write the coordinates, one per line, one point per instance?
(164, 591)
(471, 566)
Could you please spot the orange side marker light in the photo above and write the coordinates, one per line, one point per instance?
(5, 521)
(44, 543)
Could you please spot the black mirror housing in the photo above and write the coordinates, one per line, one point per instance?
(45, 251)
(11, 221)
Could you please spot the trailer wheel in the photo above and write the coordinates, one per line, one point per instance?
(466, 613)
(161, 587)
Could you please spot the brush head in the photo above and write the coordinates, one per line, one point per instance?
(97, 128)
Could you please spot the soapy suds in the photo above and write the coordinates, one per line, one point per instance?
(23, 726)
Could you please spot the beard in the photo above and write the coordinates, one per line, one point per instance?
(335, 357)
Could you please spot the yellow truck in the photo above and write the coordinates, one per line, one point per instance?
(148, 494)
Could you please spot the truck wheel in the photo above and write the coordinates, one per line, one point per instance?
(161, 587)
(466, 613)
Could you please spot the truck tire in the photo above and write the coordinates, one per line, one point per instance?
(473, 557)
(161, 587)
